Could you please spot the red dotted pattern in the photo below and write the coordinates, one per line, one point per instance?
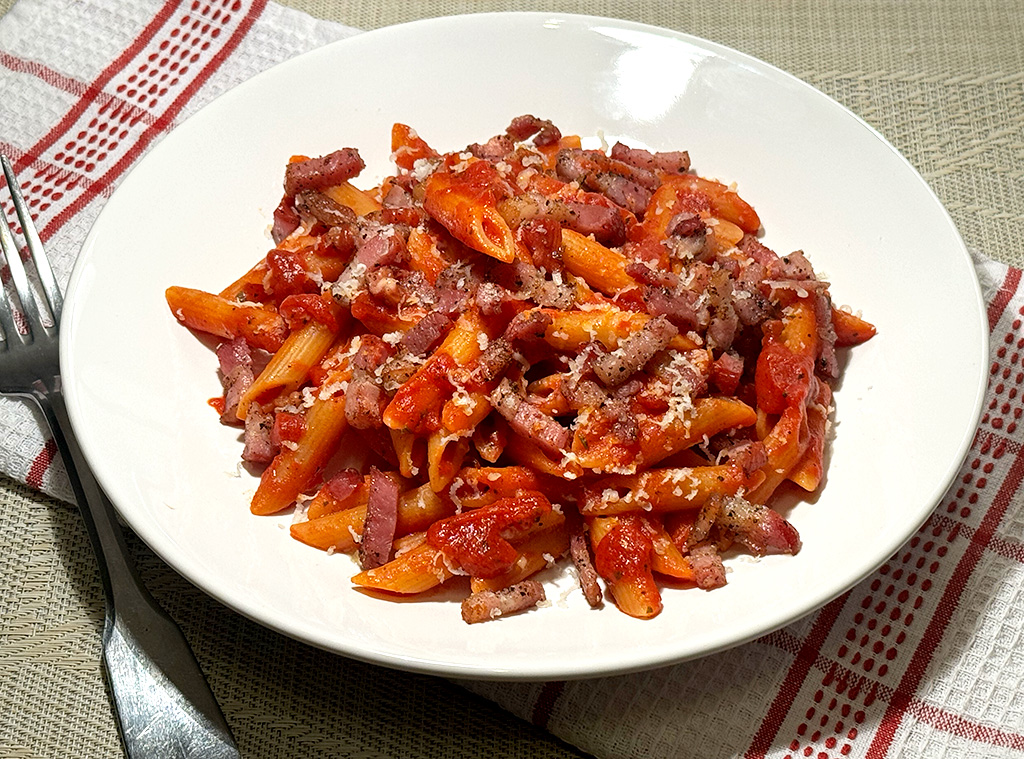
(130, 101)
(867, 664)
(1006, 380)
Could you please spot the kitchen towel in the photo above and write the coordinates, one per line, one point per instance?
(922, 659)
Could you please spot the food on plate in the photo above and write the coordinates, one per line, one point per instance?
(545, 353)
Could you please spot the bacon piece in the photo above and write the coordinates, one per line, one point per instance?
(259, 448)
(707, 566)
(491, 604)
(768, 258)
(500, 352)
(686, 224)
(381, 519)
(326, 210)
(286, 220)
(760, 529)
(427, 333)
(604, 223)
(526, 126)
(750, 455)
(343, 484)
(751, 305)
(634, 352)
(579, 550)
(365, 400)
(620, 190)
(321, 173)
(670, 162)
(236, 369)
(495, 149)
(381, 249)
(826, 362)
(529, 421)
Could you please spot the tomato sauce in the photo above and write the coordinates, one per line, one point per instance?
(478, 540)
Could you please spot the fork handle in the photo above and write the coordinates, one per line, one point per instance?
(163, 704)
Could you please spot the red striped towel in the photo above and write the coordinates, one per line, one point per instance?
(923, 659)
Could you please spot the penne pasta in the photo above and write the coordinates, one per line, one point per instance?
(521, 351)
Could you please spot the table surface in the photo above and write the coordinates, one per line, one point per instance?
(942, 80)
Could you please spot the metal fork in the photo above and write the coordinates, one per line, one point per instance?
(162, 702)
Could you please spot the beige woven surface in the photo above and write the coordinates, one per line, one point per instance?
(943, 81)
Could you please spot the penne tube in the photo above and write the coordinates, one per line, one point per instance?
(418, 403)
(342, 530)
(260, 325)
(570, 330)
(660, 436)
(347, 194)
(290, 366)
(602, 268)
(459, 204)
(445, 453)
(663, 490)
(785, 445)
(410, 450)
(293, 469)
(415, 571)
(622, 556)
(424, 256)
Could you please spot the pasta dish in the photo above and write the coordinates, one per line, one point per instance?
(543, 352)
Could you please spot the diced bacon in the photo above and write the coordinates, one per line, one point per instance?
(495, 149)
(722, 328)
(751, 305)
(750, 455)
(528, 420)
(380, 249)
(343, 484)
(796, 266)
(529, 325)
(321, 173)
(543, 238)
(760, 529)
(427, 333)
(286, 220)
(707, 566)
(381, 520)
(324, 209)
(670, 162)
(622, 191)
(635, 351)
(491, 604)
(579, 550)
(826, 362)
(686, 224)
(526, 126)
(604, 223)
(259, 448)
(365, 399)
(236, 369)
(768, 258)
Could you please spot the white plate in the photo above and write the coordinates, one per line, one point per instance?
(196, 210)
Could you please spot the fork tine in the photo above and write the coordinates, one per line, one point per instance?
(35, 246)
(20, 279)
(7, 325)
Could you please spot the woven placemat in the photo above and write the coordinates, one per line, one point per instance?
(944, 82)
